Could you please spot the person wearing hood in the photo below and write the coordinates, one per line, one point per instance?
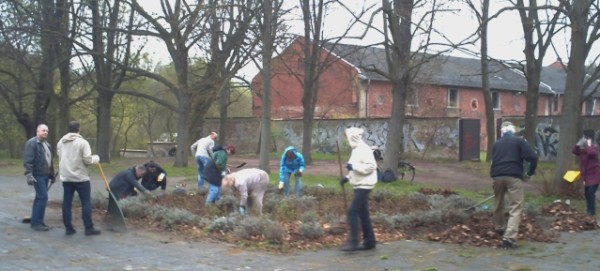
(75, 154)
(510, 155)
(250, 182)
(215, 170)
(292, 162)
(155, 177)
(362, 175)
(122, 185)
(589, 167)
(39, 172)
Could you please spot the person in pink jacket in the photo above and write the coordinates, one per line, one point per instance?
(251, 182)
(587, 151)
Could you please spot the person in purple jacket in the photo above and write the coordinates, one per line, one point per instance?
(587, 152)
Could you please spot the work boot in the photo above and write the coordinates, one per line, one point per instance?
(92, 232)
(349, 247)
(506, 244)
(70, 231)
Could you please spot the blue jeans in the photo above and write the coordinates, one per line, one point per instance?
(214, 194)
(201, 161)
(590, 199)
(286, 185)
(83, 191)
(41, 199)
(358, 217)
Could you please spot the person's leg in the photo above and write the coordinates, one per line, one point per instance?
(515, 208)
(286, 184)
(39, 203)
(365, 220)
(200, 164)
(590, 198)
(298, 186)
(211, 197)
(500, 187)
(84, 190)
(258, 192)
(353, 220)
(68, 191)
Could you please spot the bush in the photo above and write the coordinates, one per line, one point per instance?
(249, 227)
(223, 224)
(311, 230)
(99, 201)
(385, 220)
(172, 216)
(134, 207)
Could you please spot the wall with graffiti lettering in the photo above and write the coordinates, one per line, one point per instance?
(427, 138)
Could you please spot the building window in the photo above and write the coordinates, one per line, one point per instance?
(453, 97)
(411, 97)
(380, 100)
(496, 100)
(554, 104)
(590, 105)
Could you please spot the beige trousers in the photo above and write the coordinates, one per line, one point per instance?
(513, 187)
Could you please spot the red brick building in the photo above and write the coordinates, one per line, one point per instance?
(444, 86)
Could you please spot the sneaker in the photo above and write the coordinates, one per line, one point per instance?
(70, 231)
(508, 244)
(40, 227)
(92, 232)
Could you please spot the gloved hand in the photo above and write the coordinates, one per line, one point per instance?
(242, 210)
(280, 185)
(298, 173)
(223, 173)
(160, 177)
(349, 166)
(52, 178)
(343, 180)
(95, 159)
(31, 180)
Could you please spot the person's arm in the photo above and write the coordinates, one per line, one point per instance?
(193, 148)
(87, 157)
(530, 156)
(29, 158)
(220, 158)
(163, 183)
(576, 150)
(282, 168)
(242, 187)
(133, 181)
(301, 163)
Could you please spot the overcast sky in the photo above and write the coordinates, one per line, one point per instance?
(505, 32)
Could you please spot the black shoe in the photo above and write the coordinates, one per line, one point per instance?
(70, 231)
(40, 227)
(92, 232)
(350, 248)
(499, 233)
(508, 244)
(365, 247)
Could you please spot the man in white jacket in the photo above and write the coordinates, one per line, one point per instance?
(362, 175)
(202, 150)
(75, 155)
(250, 181)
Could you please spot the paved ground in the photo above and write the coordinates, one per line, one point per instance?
(24, 249)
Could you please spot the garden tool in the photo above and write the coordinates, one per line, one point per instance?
(115, 215)
(479, 203)
(337, 145)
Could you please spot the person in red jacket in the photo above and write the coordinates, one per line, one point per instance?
(587, 152)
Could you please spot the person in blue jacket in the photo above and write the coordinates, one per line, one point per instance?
(292, 162)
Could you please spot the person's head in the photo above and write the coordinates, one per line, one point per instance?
(213, 135)
(140, 170)
(228, 180)
(151, 166)
(41, 132)
(588, 134)
(354, 136)
(507, 129)
(290, 154)
(230, 149)
(74, 127)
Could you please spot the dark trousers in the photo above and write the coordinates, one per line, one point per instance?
(83, 191)
(358, 215)
(38, 210)
(590, 198)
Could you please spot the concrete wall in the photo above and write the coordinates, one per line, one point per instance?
(423, 137)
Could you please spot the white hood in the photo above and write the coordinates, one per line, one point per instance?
(354, 135)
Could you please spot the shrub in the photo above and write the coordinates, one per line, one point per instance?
(385, 220)
(99, 201)
(309, 216)
(249, 227)
(273, 231)
(223, 224)
(172, 216)
(133, 207)
(310, 230)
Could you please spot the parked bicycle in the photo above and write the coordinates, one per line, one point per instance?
(406, 171)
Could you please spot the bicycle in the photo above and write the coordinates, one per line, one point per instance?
(406, 171)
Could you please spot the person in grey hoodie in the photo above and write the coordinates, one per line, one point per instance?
(250, 181)
(75, 155)
(362, 175)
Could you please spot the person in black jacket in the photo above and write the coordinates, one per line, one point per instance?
(122, 185)
(155, 177)
(509, 156)
(39, 172)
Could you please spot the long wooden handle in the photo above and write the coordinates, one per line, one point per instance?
(337, 145)
(104, 177)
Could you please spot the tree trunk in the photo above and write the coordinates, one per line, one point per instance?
(223, 105)
(270, 16)
(104, 129)
(490, 119)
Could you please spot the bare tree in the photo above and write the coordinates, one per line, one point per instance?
(583, 18)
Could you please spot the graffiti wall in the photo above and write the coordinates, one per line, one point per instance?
(429, 138)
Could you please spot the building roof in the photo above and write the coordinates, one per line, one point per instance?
(451, 70)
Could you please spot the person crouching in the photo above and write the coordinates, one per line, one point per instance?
(250, 181)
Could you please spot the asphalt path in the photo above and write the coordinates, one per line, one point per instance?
(21, 248)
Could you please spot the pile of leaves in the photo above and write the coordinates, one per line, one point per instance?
(568, 219)
(439, 191)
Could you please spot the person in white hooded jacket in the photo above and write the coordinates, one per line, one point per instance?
(362, 175)
(75, 155)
